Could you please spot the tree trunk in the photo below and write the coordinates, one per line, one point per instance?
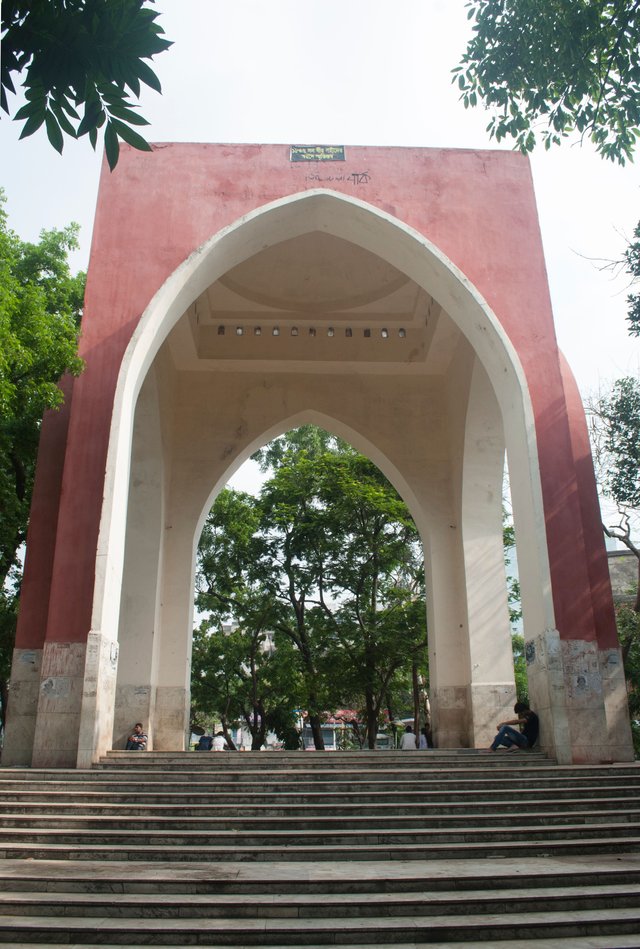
(316, 731)
(227, 737)
(372, 719)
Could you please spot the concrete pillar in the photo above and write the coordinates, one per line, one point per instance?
(492, 683)
(135, 692)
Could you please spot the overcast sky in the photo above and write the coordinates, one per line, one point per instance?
(352, 72)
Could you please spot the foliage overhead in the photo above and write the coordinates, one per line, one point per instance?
(615, 426)
(40, 307)
(80, 62)
(632, 267)
(547, 68)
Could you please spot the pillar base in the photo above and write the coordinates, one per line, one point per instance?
(577, 691)
(134, 703)
(171, 718)
(59, 705)
(451, 716)
(98, 698)
(491, 703)
(23, 708)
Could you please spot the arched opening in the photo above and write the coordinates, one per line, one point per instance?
(310, 592)
(320, 307)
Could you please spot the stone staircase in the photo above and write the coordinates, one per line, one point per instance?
(278, 849)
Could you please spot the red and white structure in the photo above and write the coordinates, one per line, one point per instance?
(397, 297)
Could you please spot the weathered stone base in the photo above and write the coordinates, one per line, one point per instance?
(23, 704)
(451, 717)
(491, 703)
(579, 709)
(616, 705)
(171, 719)
(98, 698)
(59, 705)
(134, 703)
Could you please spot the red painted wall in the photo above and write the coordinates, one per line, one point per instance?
(158, 207)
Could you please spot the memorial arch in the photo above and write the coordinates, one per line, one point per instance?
(233, 294)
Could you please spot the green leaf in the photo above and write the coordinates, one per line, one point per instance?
(111, 145)
(54, 133)
(147, 75)
(127, 115)
(31, 108)
(93, 111)
(129, 136)
(63, 121)
(32, 124)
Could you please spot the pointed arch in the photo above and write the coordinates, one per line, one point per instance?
(411, 253)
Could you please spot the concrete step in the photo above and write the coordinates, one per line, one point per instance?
(325, 821)
(409, 810)
(319, 905)
(579, 844)
(374, 852)
(559, 942)
(137, 779)
(293, 761)
(287, 932)
(500, 798)
(388, 877)
(314, 834)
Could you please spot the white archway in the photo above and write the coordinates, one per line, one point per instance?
(409, 252)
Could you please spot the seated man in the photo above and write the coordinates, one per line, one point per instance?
(137, 740)
(513, 739)
(219, 744)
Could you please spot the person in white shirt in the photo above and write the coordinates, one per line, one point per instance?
(219, 744)
(408, 742)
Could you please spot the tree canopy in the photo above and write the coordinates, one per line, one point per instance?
(40, 307)
(614, 427)
(614, 424)
(80, 62)
(327, 560)
(547, 69)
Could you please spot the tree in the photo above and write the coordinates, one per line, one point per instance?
(86, 55)
(235, 673)
(548, 69)
(552, 68)
(632, 266)
(328, 559)
(40, 307)
(614, 428)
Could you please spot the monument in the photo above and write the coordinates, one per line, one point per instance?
(394, 296)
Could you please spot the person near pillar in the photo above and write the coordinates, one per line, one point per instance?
(520, 732)
(137, 740)
(408, 742)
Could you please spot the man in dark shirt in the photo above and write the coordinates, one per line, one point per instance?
(513, 739)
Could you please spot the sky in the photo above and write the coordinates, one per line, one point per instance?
(352, 72)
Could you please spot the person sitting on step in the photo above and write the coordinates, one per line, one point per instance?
(510, 737)
(137, 740)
